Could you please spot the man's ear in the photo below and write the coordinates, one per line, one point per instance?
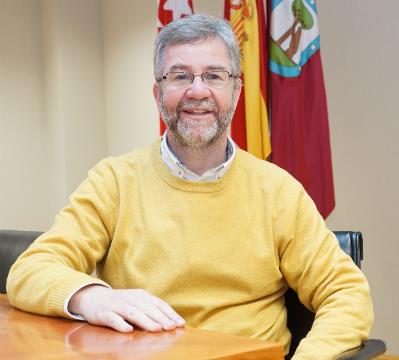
(156, 91)
(237, 92)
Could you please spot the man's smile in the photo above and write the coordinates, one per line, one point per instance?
(197, 109)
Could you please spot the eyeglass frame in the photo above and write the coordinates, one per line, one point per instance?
(231, 76)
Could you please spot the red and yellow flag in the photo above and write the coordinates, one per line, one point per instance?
(169, 10)
(250, 126)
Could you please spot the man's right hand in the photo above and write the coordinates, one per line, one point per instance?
(121, 309)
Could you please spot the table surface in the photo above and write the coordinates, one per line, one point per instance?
(29, 336)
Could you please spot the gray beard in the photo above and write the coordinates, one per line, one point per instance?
(182, 130)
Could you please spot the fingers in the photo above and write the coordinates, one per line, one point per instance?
(155, 309)
(112, 320)
(168, 311)
(139, 318)
(120, 309)
(158, 317)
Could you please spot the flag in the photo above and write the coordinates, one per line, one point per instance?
(298, 106)
(250, 126)
(169, 10)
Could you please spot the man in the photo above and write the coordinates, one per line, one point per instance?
(194, 229)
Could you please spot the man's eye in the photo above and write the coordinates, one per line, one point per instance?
(213, 76)
(181, 77)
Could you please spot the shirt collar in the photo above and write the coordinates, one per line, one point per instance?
(178, 169)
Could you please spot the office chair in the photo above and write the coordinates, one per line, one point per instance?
(12, 243)
(300, 319)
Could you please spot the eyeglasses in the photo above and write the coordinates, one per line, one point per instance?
(214, 79)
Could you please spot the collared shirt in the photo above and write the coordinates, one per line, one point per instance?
(178, 169)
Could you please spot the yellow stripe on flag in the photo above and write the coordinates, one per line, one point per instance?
(257, 124)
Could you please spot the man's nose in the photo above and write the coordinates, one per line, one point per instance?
(197, 89)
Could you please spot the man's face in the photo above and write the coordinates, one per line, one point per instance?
(197, 114)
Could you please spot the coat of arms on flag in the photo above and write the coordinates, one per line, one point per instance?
(169, 10)
(294, 35)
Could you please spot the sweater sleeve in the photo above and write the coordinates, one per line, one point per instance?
(62, 259)
(326, 279)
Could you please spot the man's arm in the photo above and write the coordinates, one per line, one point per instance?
(325, 278)
(46, 275)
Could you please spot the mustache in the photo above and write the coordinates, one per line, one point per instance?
(206, 105)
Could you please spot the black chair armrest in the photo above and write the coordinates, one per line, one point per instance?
(12, 244)
(370, 349)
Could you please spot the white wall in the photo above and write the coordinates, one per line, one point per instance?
(129, 33)
(52, 116)
(74, 91)
(359, 51)
(75, 85)
(24, 201)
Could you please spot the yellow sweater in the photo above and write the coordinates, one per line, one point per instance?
(221, 253)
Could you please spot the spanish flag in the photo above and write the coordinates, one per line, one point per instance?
(250, 126)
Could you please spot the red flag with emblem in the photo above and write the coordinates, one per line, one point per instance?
(298, 106)
(169, 10)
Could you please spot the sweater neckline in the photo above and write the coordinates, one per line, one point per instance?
(187, 185)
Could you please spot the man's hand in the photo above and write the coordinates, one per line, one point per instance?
(120, 309)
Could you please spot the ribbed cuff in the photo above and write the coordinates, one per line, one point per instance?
(63, 291)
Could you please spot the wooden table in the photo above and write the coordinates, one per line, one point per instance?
(28, 336)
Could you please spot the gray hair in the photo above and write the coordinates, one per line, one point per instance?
(191, 29)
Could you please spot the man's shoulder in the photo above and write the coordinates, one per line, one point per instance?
(138, 155)
(125, 162)
(266, 174)
(261, 167)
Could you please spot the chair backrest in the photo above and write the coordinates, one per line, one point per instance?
(300, 319)
(12, 244)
